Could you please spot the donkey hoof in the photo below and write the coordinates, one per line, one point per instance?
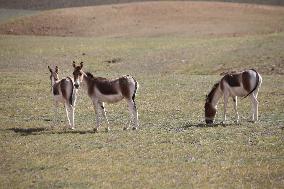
(95, 130)
(134, 128)
(125, 128)
(107, 129)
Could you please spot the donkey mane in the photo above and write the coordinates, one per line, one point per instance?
(89, 75)
(209, 97)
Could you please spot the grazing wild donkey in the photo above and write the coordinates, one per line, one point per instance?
(235, 84)
(64, 92)
(102, 90)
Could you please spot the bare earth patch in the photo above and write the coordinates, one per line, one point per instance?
(152, 19)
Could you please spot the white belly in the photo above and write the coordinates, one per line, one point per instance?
(237, 91)
(110, 98)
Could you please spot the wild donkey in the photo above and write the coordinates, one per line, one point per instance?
(64, 92)
(102, 90)
(242, 84)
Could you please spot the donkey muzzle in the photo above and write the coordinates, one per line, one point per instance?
(209, 121)
(76, 85)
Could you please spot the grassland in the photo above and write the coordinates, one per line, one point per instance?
(173, 148)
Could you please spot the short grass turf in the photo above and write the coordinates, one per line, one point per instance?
(172, 147)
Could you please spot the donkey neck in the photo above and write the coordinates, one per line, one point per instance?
(216, 97)
(54, 80)
(87, 81)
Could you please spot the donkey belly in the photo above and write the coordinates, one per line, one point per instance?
(110, 98)
(238, 91)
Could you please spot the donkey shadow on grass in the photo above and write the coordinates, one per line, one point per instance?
(204, 125)
(49, 131)
(46, 131)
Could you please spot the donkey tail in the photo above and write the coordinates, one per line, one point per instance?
(136, 88)
(256, 85)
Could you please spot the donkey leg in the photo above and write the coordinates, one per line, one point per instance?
(72, 115)
(254, 108)
(130, 115)
(225, 108)
(101, 104)
(55, 116)
(96, 106)
(67, 109)
(235, 99)
(133, 114)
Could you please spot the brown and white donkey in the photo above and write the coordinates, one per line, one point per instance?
(102, 90)
(63, 92)
(235, 84)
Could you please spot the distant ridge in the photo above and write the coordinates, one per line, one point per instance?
(54, 4)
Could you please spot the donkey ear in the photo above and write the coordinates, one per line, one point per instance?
(81, 64)
(74, 65)
(56, 69)
(49, 69)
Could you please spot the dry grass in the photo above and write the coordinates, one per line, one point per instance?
(172, 148)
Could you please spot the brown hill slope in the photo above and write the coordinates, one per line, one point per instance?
(152, 19)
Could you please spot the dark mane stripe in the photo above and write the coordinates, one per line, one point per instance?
(212, 92)
(89, 75)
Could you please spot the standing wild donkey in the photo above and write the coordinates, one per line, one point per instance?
(102, 90)
(242, 84)
(64, 92)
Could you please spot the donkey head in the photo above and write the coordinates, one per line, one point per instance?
(54, 74)
(78, 74)
(210, 112)
(210, 108)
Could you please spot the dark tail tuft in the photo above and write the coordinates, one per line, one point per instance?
(136, 87)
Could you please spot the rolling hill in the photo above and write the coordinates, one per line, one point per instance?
(152, 19)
